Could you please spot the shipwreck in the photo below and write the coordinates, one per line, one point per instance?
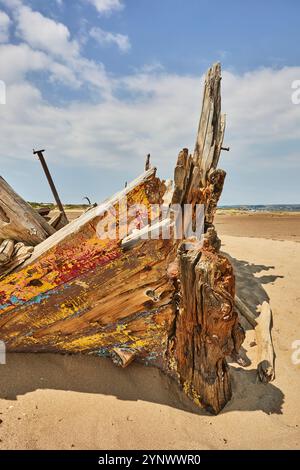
(167, 302)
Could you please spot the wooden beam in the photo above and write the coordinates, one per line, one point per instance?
(6, 251)
(18, 220)
(206, 328)
(266, 354)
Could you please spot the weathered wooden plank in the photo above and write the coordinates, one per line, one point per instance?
(18, 220)
(144, 188)
(197, 179)
(211, 125)
(82, 285)
(206, 328)
(6, 251)
(266, 354)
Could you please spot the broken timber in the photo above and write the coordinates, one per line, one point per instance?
(18, 220)
(266, 353)
(164, 302)
(262, 326)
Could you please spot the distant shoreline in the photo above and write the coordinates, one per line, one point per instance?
(272, 213)
(268, 208)
(256, 208)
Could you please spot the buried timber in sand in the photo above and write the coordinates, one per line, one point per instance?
(168, 302)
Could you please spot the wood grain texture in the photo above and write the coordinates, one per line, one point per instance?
(206, 328)
(80, 294)
(266, 353)
(6, 251)
(18, 220)
(138, 295)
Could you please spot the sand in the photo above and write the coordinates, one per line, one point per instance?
(276, 226)
(76, 402)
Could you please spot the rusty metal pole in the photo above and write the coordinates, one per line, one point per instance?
(147, 164)
(39, 153)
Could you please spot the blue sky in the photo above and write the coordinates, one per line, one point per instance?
(101, 83)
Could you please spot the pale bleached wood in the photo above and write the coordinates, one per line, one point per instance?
(20, 254)
(197, 179)
(6, 251)
(18, 220)
(220, 140)
(266, 354)
(265, 349)
(211, 125)
(153, 231)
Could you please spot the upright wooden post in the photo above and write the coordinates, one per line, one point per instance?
(206, 329)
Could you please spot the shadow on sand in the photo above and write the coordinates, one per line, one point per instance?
(26, 373)
(250, 287)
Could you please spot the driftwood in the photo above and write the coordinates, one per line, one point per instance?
(6, 251)
(18, 220)
(262, 325)
(166, 301)
(19, 254)
(266, 354)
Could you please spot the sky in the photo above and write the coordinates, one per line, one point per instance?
(100, 84)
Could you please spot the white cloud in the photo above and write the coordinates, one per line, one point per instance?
(19, 60)
(46, 34)
(107, 6)
(160, 117)
(65, 61)
(48, 47)
(158, 111)
(4, 26)
(259, 105)
(106, 37)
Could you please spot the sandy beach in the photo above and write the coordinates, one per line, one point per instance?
(76, 402)
(166, 315)
(271, 225)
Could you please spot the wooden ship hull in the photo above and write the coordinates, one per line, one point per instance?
(138, 295)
